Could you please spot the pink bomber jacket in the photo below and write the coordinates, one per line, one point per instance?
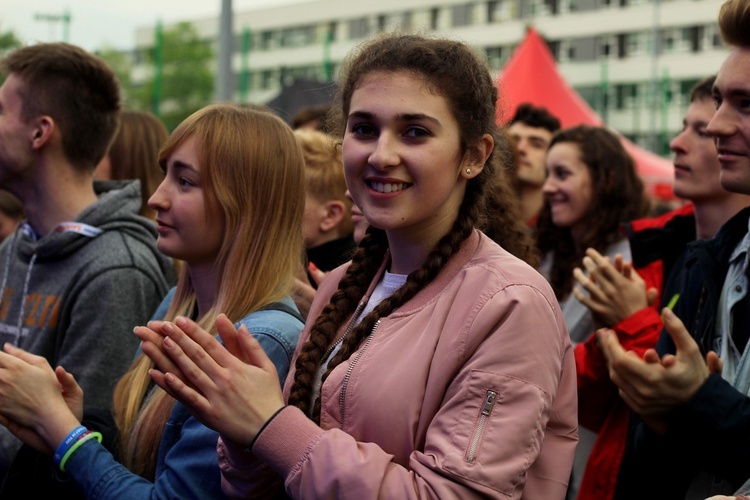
(466, 391)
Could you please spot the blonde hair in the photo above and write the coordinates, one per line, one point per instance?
(253, 168)
(324, 171)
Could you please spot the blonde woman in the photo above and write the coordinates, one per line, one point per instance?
(230, 207)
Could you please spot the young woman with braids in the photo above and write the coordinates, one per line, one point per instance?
(435, 364)
(230, 207)
(591, 187)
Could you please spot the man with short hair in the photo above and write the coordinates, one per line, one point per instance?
(83, 270)
(623, 303)
(531, 128)
(693, 436)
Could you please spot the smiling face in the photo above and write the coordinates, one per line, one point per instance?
(402, 156)
(189, 228)
(730, 125)
(696, 166)
(568, 187)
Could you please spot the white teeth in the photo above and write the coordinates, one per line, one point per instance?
(382, 187)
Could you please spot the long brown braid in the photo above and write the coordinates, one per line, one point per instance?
(449, 69)
(365, 264)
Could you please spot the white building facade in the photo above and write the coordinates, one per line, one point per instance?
(633, 61)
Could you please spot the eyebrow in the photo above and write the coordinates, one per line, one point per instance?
(732, 92)
(404, 117)
(181, 165)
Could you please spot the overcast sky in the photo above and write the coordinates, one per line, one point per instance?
(95, 23)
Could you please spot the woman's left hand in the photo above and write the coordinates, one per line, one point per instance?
(234, 394)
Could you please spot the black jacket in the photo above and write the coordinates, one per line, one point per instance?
(709, 436)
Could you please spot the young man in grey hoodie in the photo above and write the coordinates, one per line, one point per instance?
(83, 269)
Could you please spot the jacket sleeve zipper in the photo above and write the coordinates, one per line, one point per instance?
(489, 403)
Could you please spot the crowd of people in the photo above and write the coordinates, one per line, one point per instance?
(393, 296)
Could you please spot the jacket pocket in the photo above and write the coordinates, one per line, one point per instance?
(478, 433)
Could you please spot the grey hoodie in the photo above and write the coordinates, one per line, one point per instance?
(75, 299)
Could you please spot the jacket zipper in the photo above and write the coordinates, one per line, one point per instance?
(489, 403)
(346, 332)
(342, 394)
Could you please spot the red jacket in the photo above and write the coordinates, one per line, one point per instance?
(655, 244)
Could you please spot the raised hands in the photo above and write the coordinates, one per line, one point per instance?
(615, 290)
(233, 389)
(37, 404)
(653, 386)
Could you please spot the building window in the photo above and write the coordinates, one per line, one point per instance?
(297, 36)
(462, 15)
(625, 96)
(331, 32)
(591, 94)
(267, 79)
(434, 18)
(393, 22)
(359, 28)
(499, 11)
(583, 49)
(497, 57)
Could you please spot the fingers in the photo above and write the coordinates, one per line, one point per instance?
(683, 341)
(228, 334)
(317, 275)
(608, 343)
(592, 287)
(303, 295)
(19, 353)
(192, 361)
(199, 344)
(67, 381)
(600, 265)
(176, 388)
(715, 365)
(153, 332)
(155, 352)
(254, 353)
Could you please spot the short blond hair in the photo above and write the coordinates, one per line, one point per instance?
(324, 170)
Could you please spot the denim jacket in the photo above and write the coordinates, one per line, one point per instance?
(187, 464)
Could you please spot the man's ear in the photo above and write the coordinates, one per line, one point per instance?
(335, 211)
(476, 156)
(42, 130)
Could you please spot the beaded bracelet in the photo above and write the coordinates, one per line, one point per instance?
(86, 437)
(67, 443)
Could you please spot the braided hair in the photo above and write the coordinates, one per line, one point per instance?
(449, 69)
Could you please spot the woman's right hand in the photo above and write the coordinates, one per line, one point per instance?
(234, 394)
(38, 404)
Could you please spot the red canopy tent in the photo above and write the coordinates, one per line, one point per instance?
(531, 75)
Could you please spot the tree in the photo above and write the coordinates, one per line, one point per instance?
(8, 42)
(183, 82)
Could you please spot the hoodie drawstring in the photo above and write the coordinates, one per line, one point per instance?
(23, 301)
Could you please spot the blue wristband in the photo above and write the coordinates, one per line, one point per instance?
(67, 443)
